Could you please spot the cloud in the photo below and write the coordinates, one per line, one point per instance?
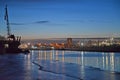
(37, 22)
(100, 21)
(17, 24)
(41, 22)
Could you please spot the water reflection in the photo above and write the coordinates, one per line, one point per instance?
(112, 61)
(105, 61)
(63, 56)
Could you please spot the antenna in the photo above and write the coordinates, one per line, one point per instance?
(7, 21)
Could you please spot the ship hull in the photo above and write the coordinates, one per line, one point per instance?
(7, 46)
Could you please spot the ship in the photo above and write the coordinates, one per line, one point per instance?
(11, 43)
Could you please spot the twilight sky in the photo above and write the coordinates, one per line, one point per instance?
(61, 18)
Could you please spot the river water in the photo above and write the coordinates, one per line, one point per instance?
(60, 65)
(107, 61)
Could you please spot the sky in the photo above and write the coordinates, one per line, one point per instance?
(35, 19)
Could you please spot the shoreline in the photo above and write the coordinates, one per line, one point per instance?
(74, 50)
(88, 49)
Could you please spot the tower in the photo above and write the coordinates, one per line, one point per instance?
(69, 42)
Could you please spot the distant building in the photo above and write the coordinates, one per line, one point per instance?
(69, 42)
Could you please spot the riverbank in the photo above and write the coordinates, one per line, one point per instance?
(86, 48)
(97, 49)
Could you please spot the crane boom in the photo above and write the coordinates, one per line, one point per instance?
(7, 21)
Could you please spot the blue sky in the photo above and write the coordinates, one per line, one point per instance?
(61, 18)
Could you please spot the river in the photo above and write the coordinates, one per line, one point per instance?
(108, 61)
(60, 65)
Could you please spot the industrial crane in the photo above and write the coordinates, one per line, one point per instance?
(7, 21)
(9, 35)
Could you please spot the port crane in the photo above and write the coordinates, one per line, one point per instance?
(7, 21)
(11, 43)
(9, 35)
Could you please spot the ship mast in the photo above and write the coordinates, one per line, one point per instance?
(7, 21)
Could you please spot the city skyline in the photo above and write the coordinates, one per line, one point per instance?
(33, 19)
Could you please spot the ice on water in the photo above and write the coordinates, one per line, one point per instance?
(55, 70)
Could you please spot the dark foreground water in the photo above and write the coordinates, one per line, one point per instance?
(60, 65)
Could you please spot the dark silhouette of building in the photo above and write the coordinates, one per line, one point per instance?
(69, 42)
